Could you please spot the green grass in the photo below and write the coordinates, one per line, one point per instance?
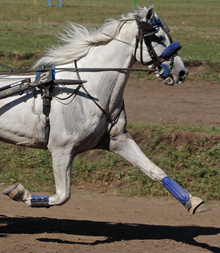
(31, 167)
(27, 28)
(194, 164)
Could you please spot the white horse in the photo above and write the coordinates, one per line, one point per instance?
(94, 116)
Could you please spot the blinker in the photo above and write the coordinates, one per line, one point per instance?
(147, 28)
(165, 26)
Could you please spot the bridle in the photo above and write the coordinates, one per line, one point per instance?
(147, 33)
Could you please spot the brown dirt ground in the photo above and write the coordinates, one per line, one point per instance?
(190, 103)
(94, 222)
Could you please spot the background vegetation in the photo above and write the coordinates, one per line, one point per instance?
(26, 30)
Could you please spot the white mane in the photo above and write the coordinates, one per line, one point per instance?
(78, 40)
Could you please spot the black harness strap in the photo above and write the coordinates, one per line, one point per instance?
(45, 81)
(147, 34)
(47, 97)
(88, 94)
(113, 120)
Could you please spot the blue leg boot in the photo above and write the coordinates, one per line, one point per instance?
(189, 202)
(39, 201)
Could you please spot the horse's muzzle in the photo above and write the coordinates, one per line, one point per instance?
(171, 79)
(182, 76)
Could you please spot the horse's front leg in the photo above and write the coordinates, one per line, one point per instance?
(122, 143)
(62, 166)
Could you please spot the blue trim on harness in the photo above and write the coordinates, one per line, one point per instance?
(156, 23)
(39, 201)
(53, 72)
(176, 190)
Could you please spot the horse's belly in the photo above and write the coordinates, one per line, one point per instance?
(22, 120)
(31, 135)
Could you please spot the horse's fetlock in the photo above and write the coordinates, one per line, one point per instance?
(63, 199)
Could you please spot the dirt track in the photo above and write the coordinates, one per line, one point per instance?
(92, 222)
(189, 104)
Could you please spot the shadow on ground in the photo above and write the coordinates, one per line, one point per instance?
(113, 232)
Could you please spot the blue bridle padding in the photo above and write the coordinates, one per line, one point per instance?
(176, 190)
(171, 49)
(39, 201)
(165, 69)
(156, 23)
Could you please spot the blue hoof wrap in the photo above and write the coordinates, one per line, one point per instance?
(176, 190)
(171, 49)
(39, 201)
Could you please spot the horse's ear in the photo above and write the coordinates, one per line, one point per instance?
(150, 13)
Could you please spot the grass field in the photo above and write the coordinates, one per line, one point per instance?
(26, 30)
(195, 166)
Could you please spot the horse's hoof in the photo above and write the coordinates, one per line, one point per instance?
(15, 191)
(196, 205)
(203, 208)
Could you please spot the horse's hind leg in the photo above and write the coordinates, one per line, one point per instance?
(125, 146)
(121, 142)
(62, 166)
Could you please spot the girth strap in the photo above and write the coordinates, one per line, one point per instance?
(47, 97)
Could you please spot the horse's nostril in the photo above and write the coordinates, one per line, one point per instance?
(182, 73)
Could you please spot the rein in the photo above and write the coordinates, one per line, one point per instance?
(75, 70)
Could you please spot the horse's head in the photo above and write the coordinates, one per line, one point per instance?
(155, 47)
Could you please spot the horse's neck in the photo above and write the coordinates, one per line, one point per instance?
(118, 53)
(115, 54)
